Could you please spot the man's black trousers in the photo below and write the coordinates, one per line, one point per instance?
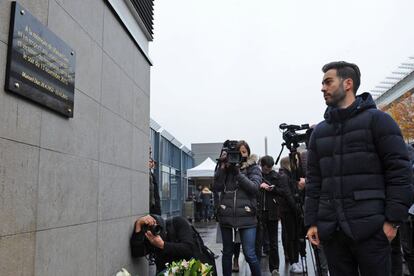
(271, 226)
(346, 257)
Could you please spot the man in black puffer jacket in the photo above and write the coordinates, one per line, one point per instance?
(358, 178)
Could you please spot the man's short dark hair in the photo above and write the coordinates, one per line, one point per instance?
(345, 70)
(267, 161)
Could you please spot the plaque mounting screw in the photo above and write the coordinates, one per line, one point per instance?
(72, 53)
(69, 110)
(17, 85)
(22, 12)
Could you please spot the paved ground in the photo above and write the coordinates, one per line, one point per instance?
(208, 232)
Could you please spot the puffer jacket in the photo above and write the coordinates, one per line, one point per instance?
(358, 172)
(237, 206)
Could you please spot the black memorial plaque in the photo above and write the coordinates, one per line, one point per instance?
(40, 66)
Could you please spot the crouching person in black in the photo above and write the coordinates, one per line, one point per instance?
(150, 237)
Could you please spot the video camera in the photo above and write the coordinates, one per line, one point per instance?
(292, 137)
(233, 156)
(154, 229)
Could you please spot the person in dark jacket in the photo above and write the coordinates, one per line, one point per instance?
(206, 197)
(154, 200)
(358, 178)
(273, 187)
(165, 248)
(239, 185)
(292, 219)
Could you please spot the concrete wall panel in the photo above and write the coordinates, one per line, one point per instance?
(140, 193)
(17, 254)
(142, 72)
(114, 192)
(88, 52)
(88, 14)
(117, 89)
(67, 251)
(78, 135)
(68, 190)
(18, 187)
(113, 246)
(140, 150)
(38, 8)
(122, 53)
(115, 140)
(141, 109)
(20, 118)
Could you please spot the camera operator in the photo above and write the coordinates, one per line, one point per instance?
(150, 237)
(273, 190)
(238, 177)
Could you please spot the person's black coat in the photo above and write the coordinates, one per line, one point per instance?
(358, 172)
(237, 207)
(181, 246)
(410, 148)
(156, 208)
(271, 201)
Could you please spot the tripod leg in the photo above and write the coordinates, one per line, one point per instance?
(317, 260)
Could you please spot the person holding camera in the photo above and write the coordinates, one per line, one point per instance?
(238, 178)
(150, 237)
(358, 178)
(273, 189)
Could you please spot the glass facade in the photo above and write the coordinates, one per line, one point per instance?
(171, 172)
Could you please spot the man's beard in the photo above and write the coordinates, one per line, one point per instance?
(337, 97)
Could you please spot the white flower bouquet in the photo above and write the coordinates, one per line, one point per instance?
(188, 268)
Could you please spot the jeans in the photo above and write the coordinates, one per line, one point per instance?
(205, 211)
(248, 239)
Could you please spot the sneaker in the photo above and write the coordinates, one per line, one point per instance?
(275, 272)
(296, 268)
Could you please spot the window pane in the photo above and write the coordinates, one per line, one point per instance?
(165, 185)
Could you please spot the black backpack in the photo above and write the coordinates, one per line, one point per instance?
(201, 252)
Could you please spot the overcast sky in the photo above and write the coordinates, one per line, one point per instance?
(236, 69)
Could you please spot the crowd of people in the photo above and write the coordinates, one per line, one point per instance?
(351, 199)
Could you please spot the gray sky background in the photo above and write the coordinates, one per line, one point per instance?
(236, 69)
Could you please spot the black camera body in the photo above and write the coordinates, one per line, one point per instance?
(233, 156)
(154, 229)
(292, 137)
